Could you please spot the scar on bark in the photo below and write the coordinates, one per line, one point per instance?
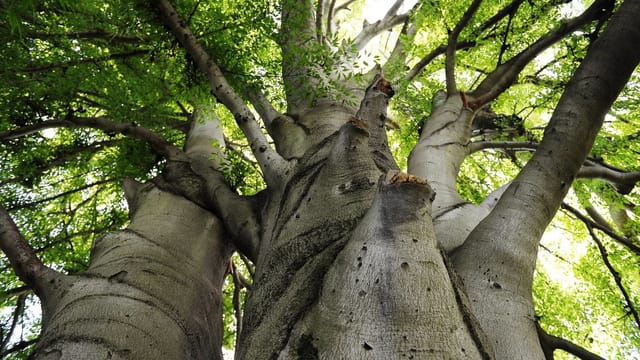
(472, 104)
(359, 123)
(397, 177)
(384, 86)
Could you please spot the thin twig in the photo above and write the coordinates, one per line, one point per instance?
(588, 222)
(616, 276)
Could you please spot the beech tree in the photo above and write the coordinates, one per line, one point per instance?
(317, 185)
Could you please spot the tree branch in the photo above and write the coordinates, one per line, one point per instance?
(17, 313)
(319, 17)
(509, 10)
(92, 34)
(34, 128)
(57, 196)
(417, 68)
(271, 163)
(21, 255)
(116, 56)
(510, 145)
(389, 21)
(507, 73)
(159, 144)
(551, 343)
(398, 56)
(590, 223)
(597, 218)
(263, 106)
(426, 60)
(452, 44)
(623, 181)
(19, 346)
(534, 196)
(616, 276)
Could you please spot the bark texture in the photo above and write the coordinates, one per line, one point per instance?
(352, 256)
(151, 291)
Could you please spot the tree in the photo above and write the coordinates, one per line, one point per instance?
(261, 128)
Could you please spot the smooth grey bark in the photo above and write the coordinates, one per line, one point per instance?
(497, 261)
(151, 291)
(349, 266)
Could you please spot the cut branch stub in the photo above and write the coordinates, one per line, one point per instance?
(373, 110)
(390, 273)
(309, 220)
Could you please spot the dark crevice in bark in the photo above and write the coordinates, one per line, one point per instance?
(384, 161)
(177, 275)
(444, 211)
(303, 276)
(482, 341)
(307, 180)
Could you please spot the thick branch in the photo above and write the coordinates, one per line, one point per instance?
(159, 144)
(320, 14)
(263, 106)
(298, 42)
(270, 162)
(595, 215)
(206, 161)
(507, 240)
(21, 255)
(507, 73)
(31, 129)
(623, 180)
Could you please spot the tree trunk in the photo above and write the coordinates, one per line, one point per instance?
(151, 291)
(349, 266)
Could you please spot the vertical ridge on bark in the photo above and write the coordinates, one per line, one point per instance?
(437, 157)
(383, 296)
(308, 223)
(373, 109)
